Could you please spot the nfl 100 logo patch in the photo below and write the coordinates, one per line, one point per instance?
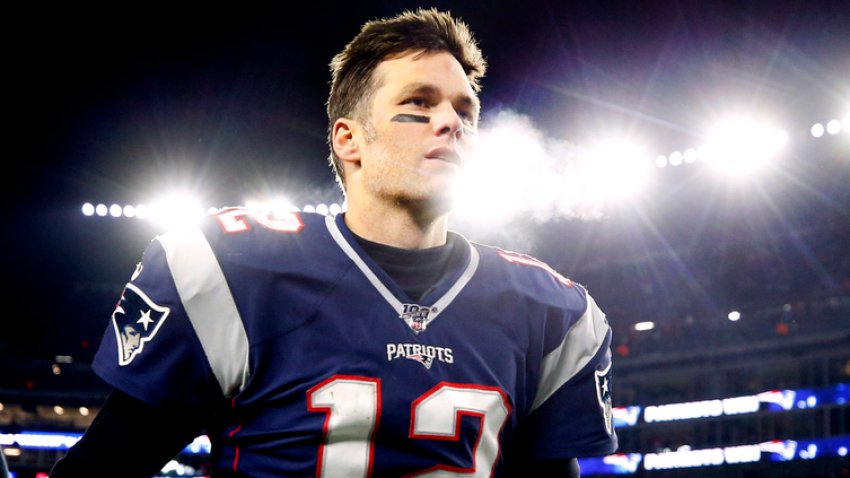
(417, 316)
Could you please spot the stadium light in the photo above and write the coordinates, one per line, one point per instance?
(642, 326)
(142, 211)
(734, 316)
(690, 155)
(115, 210)
(833, 127)
(101, 210)
(742, 146)
(661, 161)
(84, 411)
(88, 209)
(817, 130)
(129, 211)
(334, 209)
(12, 451)
(322, 209)
(676, 158)
(176, 210)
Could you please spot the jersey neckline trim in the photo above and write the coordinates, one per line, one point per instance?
(336, 226)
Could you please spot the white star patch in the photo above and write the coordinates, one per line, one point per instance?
(145, 319)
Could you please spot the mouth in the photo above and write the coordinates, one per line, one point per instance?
(446, 154)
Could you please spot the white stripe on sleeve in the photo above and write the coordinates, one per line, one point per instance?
(579, 346)
(209, 304)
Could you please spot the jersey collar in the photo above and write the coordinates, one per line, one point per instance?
(417, 316)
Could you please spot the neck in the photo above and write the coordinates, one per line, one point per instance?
(393, 225)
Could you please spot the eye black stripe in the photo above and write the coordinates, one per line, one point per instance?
(408, 118)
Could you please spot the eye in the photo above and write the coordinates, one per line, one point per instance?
(468, 118)
(416, 101)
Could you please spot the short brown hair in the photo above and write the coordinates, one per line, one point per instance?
(426, 30)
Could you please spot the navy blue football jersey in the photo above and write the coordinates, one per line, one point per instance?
(327, 368)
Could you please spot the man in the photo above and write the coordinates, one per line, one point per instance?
(373, 343)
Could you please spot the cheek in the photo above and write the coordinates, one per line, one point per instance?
(468, 146)
(400, 139)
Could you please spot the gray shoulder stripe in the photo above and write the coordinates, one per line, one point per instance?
(581, 343)
(209, 305)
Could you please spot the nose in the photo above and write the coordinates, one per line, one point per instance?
(447, 122)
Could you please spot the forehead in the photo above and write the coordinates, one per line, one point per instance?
(440, 70)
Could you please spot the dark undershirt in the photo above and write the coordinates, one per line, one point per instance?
(126, 423)
(416, 271)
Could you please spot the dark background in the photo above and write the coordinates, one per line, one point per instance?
(122, 103)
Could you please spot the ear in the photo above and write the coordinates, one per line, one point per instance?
(345, 135)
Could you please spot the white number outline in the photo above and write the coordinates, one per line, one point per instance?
(478, 401)
(233, 220)
(489, 404)
(322, 398)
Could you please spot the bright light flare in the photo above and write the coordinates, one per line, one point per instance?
(676, 158)
(175, 211)
(618, 169)
(833, 127)
(276, 207)
(508, 171)
(743, 146)
(734, 316)
(519, 171)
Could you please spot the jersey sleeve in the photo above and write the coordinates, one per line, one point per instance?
(175, 338)
(571, 414)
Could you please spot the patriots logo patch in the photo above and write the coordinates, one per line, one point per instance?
(425, 360)
(136, 320)
(603, 394)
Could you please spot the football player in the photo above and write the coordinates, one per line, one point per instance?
(372, 343)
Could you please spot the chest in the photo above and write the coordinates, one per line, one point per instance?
(343, 371)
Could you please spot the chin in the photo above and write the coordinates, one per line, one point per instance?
(433, 203)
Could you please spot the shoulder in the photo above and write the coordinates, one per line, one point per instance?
(530, 277)
(244, 232)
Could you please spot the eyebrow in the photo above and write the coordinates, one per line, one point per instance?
(427, 89)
